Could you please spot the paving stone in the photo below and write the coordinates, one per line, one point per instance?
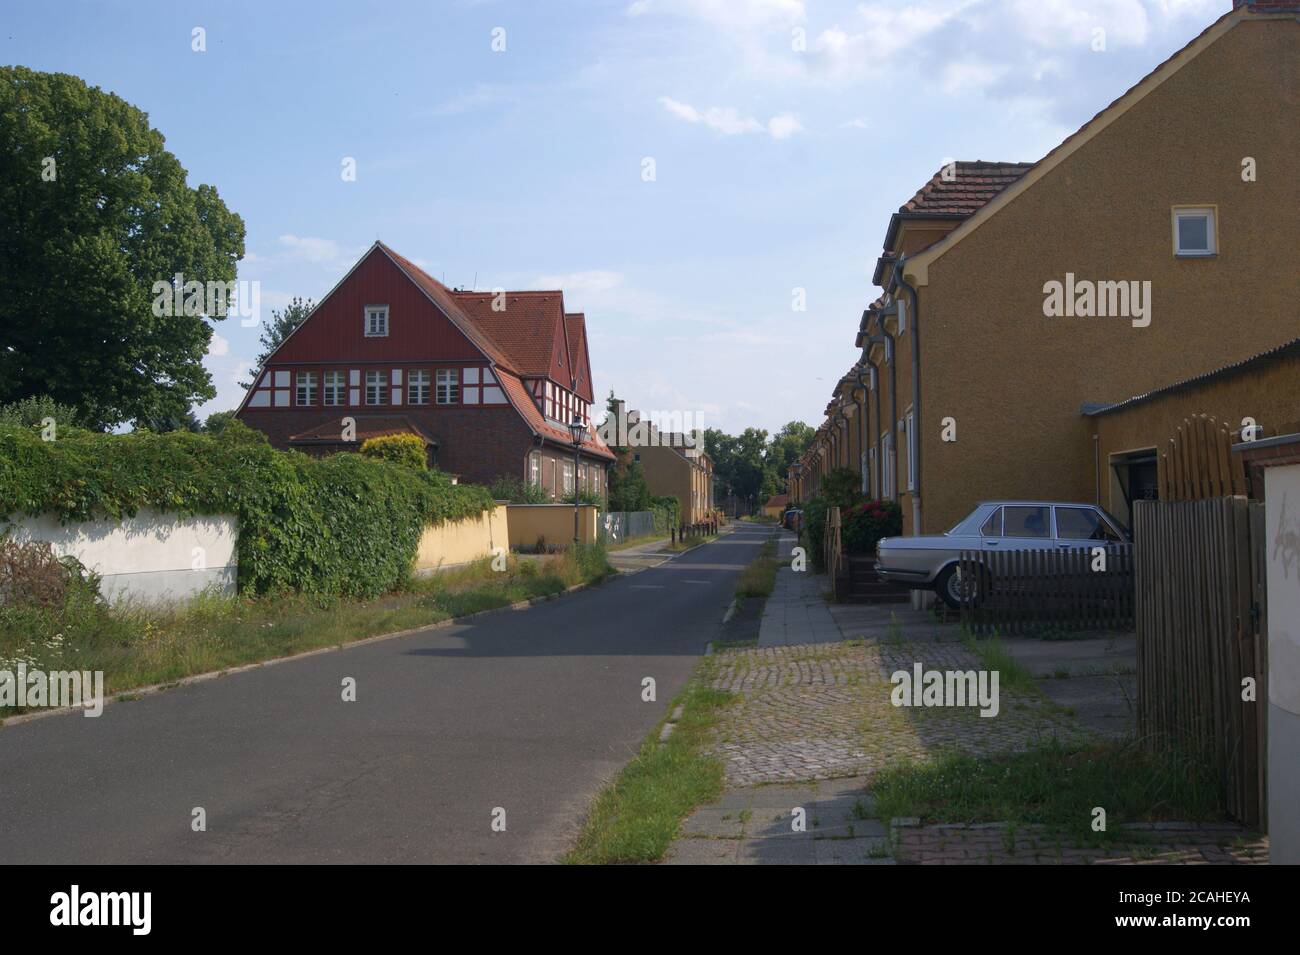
(777, 852)
(703, 852)
(852, 852)
(715, 823)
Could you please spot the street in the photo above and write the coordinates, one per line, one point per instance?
(528, 711)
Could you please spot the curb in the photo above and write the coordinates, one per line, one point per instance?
(136, 693)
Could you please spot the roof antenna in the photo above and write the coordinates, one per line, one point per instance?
(474, 287)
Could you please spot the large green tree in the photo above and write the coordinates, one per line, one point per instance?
(93, 212)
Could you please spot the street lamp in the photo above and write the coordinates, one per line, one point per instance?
(576, 430)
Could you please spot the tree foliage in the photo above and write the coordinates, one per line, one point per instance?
(93, 212)
(345, 524)
(282, 325)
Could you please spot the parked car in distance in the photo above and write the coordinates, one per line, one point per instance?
(792, 519)
(930, 560)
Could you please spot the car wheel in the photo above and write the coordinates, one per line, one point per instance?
(954, 589)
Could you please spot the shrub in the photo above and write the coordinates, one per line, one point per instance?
(32, 412)
(32, 576)
(867, 522)
(405, 449)
(347, 524)
(512, 489)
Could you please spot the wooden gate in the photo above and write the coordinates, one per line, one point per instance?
(1198, 462)
(1199, 578)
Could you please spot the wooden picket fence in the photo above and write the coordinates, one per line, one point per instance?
(1200, 579)
(1198, 462)
(1028, 591)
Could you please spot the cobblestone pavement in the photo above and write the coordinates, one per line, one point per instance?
(824, 823)
(822, 711)
(1158, 843)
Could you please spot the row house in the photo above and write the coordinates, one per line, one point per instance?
(495, 384)
(1042, 326)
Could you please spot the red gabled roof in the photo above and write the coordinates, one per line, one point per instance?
(575, 324)
(447, 303)
(971, 187)
(368, 426)
(523, 401)
(526, 327)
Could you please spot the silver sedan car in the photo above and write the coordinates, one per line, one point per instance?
(930, 561)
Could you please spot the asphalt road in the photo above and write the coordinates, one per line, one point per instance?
(531, 711)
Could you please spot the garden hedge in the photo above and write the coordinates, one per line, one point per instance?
(341, 525)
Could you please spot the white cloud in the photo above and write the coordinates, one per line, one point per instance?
(784, 126)
(218, 346)
(311, 249)
(970, 75)
(748, 14)
(589, 283)
(727, 121)
(856, 122)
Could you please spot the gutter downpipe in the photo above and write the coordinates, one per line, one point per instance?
(864, 379)
(891, 355)
(897, 278)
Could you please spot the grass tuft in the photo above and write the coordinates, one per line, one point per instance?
(637, 816)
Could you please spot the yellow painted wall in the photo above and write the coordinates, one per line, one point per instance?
(459, 542)
(553, 522)
(1015, 380)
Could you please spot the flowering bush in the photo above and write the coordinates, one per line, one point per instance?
(863, 524)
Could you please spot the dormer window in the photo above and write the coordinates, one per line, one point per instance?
(376, 321)
(1194, 232)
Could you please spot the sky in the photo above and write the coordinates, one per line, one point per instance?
(688, 172)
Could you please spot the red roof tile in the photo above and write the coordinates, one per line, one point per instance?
(524, 329)
(368, 426)
(972, 186)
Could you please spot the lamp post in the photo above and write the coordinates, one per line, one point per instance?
(576, 430)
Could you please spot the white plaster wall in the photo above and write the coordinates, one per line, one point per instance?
(150, 556)
(1282, 550)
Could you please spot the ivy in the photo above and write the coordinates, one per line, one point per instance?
(343, 525)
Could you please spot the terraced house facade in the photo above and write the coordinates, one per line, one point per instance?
(489, 381)
(1025, 305)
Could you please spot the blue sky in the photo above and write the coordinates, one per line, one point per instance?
(783, 133)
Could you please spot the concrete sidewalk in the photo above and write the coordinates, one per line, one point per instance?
(797, 612)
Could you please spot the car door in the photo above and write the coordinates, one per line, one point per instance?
(1080, 526)
(1026, 527)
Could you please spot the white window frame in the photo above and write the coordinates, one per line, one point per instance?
(418, 387)
(379, 327)
(1211, 215)
(535, 469)
(334, 384)
(568, 478)
(305, 381)
(375, 384)
(447, 386)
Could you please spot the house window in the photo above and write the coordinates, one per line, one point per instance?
(417, 388)
(376, 321)
(568, 477)
(374, 387)
(306, 387)
(535, 469)
(333, 394)
(448, 386)
(1194, 232)
(908, 423)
